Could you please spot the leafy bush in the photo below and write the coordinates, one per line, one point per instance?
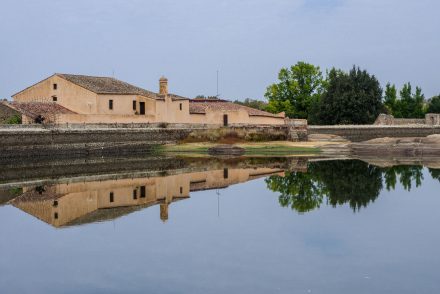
(14, 120)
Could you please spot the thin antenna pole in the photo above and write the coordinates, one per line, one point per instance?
(218, 203)
(217, 84)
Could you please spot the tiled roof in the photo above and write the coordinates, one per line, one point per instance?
(199, 106)
(33, 109)
(106, 85)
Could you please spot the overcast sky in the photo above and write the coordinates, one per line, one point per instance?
(248, 41)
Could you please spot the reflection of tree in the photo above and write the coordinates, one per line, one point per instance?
(354, 182)
(435, 173)
(406, 174)
(348, 181)
(298, 190)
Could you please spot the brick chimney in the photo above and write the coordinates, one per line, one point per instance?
(163, 86)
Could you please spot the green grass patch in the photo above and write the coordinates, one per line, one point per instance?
(254, 150)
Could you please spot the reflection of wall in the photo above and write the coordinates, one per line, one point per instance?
(78, 203)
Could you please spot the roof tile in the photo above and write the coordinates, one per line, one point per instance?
(106, 85)
(199, 106)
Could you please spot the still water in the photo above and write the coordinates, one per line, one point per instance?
(220, 226)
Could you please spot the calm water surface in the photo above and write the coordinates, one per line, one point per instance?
(325, 227)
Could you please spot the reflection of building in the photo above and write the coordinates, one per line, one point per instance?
(80, 203)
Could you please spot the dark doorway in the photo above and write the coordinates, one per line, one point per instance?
(225, 120)
(225, 173)
(141, 107)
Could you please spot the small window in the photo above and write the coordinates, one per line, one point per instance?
(55, 215)
(181, 190)
(225, 173)
(180, 106)
(112, 197)
(135, 194)
(134, 105)
(55, 203)
(54, 98)
(143, 192)
(110, 104)
(55, 86)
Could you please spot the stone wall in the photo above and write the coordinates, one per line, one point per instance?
(389, 120)
(296, 129)
(75, 142)
(85, 140)
(357, 133)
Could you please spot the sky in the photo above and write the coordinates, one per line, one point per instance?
(247, 41)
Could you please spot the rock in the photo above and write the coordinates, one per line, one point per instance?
(415, 146)
(226, 150)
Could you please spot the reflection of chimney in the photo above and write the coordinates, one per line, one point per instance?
(163, 86)
(164, 212)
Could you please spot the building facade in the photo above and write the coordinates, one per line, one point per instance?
(90, 99)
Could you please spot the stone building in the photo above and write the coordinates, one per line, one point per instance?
(90, 99)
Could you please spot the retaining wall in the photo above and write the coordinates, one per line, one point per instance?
(122, 139)
(69, 142)
(357, 133)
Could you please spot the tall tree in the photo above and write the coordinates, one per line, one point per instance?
(419, 104)
(298, 88)
(390, 98)
(350, 98)
(434, 104)
(410, 105)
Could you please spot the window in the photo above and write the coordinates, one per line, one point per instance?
(55, 203)
(134, 104)
(180, 106)
(54, 98)
(225, 173)
(143, 192)
(135, 194)
(110, 104)
(55, 215)
(55, 86)
(112, 197)
(181, 190)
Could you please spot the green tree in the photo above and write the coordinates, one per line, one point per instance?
(390, 99)
(253, 103)
(410, 105)
(434, 104)
(350, 98)
(297, 90)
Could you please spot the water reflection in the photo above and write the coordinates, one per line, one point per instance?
(351, 182)
(302, 185)
(77, 203)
